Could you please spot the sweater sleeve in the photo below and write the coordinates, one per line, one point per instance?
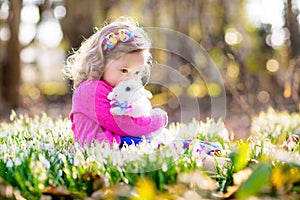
(86, 130)
(125, 125)
(85, 125)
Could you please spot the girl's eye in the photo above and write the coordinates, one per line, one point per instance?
(124, 71)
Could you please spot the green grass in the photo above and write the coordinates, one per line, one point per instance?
(38, 157)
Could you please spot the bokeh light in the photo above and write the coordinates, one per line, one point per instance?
(27, 33)
(278, 37)
(263, 96)
(197, 90)
(28, 55)
(233, 70)
(4, 11)
(233, 37)
(176, 90)
(30, 14)
(4, 32)
(49, 33)
(214, 89)
(272, 65)
(59, 12)
(29, 74)
(266, 12)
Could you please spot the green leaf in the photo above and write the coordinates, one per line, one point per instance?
(240, 157)
(3, 169)
(259, 180)
(161, 180)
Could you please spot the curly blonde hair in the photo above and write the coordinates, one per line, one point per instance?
(89, 61)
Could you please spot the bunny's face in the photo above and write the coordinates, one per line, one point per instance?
(130, 91)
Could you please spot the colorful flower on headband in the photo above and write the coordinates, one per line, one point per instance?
(109, 41)
(125, 35)
(112, 39)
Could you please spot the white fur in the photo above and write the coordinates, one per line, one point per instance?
(135, 94)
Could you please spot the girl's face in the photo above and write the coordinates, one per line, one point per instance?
(127, 66)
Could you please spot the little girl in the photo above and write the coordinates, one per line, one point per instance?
(119, 51)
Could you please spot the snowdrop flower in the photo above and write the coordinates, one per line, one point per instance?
(22, 155)
(62, 157)
(42, 176)
(60, 172)
(3, 148)
(4, 133)
(117, 158)
(9, 163)
(291, 143)
(100, 159)
(78, 159)
(188, 131)
(152, 157)
(164, 167)
(286, 157)
(13, 116)
(130, 154)
(48, 146)
(30, 144)
(17, 161)
(90, 159)
(268, 148)
(44, 161)
(105, 149)
(273, 124)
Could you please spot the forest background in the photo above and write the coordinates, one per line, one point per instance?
(254, 43)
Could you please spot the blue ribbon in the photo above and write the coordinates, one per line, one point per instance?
(124, 106)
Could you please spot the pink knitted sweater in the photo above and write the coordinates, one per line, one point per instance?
(91, 118)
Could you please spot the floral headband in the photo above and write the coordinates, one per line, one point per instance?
(112, 39)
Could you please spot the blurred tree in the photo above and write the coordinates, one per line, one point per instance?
(78, 22)
(82, 17)
(240, 48)
(292, 84)
(246, 86)
(291, 14)
(11, 72)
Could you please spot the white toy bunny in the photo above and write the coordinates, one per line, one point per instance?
(130, 98)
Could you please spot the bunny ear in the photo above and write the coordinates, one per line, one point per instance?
(110, 95)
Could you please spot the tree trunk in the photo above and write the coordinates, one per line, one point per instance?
(11, 73)
(293, 81)
(82, 17)
(78, 23)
